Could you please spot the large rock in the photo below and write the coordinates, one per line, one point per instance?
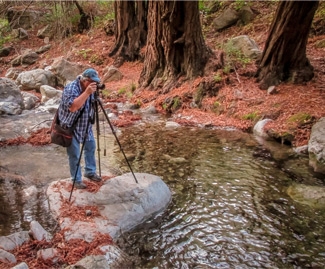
(246, 45)
(49, 92)
(20, 16)
(66, 71)
(226, 19)
(34, 79)
(316, 146)
(121, 202)
(11, 100)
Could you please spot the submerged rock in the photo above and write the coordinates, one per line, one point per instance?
(309, 195)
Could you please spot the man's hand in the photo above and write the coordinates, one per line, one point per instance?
(91, 88)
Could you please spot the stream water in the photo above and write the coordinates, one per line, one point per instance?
(229, 209)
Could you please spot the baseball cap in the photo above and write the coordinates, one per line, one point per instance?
(92, 74)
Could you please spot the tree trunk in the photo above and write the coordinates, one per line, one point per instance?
(130, 30)
(85, 20)
(175, 44)
(284, 56)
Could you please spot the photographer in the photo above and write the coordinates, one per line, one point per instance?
(76, 109)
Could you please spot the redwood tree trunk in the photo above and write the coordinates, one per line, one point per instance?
(284, 56)
(130, 30)
(175, 44)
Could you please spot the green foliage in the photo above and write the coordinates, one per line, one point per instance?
(85, 53)
(253, 116)
(300, 118)
(320, 12)
(97, 60)
(4, 30)
(217, 77)
(173, 104)
(216, 104)
(176, 103)
(164, 106)
(203, 5)
(239, 4)
(121, 91)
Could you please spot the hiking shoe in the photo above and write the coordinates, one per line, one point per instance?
(94, 177)
(80, 185)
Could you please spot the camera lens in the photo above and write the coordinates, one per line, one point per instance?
(100, 86)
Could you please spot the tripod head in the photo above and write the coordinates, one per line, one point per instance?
(99, 87)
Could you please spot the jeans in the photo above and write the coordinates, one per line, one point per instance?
(73, 152)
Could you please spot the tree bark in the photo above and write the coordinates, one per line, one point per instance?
(130, 30)
(175, 44)
(85, 20)
(284, 56)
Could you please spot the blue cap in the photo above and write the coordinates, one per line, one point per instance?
(92, 74)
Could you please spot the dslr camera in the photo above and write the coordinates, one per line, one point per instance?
(100, 86)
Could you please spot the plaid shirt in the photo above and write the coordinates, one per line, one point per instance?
(67, 118)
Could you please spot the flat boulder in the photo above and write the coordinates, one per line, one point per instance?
(119, 205)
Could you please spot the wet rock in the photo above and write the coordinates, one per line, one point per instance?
(38, 232)
(316, 146)
(98, 261)
(29, 192)
(12, 241)
(123, 204)
(259, 128)
(7, 257)
(313, 196)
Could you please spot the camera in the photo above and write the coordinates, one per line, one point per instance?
(100, 86)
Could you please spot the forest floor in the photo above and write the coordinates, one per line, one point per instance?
(240, 102)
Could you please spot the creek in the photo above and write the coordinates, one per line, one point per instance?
(229, 209)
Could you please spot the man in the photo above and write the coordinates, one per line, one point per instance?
(76, 106)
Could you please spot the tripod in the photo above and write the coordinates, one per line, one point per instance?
(98, 103)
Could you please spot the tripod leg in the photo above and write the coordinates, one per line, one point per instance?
(98, 133)
(79, 160)
(114, 133)
(77, 169)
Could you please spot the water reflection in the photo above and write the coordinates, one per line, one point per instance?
(229, 209)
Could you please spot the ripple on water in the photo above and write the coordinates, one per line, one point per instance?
(229, 209)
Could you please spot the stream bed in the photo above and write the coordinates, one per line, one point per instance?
(230, 207)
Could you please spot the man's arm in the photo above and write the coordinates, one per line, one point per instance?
(81, 99)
